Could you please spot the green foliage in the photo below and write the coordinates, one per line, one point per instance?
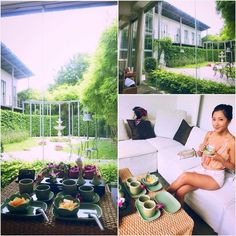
(108, 172)
(28, 94)
(210, 37)
(73, 71)
(11, 136)
(227, 10)
(99, 87)
(10, 169)
(182, 84)
(149, 64)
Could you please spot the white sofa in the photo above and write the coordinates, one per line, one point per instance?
(160, 153)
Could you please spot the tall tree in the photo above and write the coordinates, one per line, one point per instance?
(28, 94)
(227, 10)
(99, 87)
(73, 71)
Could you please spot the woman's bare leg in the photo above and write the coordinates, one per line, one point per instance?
(195, 180)
(180, 193)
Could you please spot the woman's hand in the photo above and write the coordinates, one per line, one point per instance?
(219, 158)
(201, 148)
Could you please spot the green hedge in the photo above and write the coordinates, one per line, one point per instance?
(183, 84)
(149, 64)
(15, 126)
(10, 170)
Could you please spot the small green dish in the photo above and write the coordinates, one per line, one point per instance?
(51, 195)
(62, 211)
(147, 219)
(154, 188)
(171, 205)
(82, 213)
(20, 208)
(155, 178)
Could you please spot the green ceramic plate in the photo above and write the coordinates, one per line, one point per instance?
(51, 195)
(171, 205)
(96, 197)
(31, 212)
(82, 214)
(152, 188)
(137, 195)
(140, 211)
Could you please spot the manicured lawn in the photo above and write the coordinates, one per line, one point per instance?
(20, 146)
(202, 64)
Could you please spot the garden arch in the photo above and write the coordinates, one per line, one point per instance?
(45, 108)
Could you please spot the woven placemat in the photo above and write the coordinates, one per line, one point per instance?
(37, 226)
(179, 223)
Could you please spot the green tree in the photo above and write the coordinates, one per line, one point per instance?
(73, 71)
(210, 37)
(227, 10)
(28, 94)
(99, 87)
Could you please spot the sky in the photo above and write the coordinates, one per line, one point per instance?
(45, 42)
(205, 12)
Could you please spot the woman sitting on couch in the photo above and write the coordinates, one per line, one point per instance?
(217, 152)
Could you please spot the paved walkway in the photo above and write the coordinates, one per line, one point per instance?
(49, 154)
(203, 73)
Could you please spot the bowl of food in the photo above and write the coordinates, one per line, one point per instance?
(150, 180)
(66, 205)
(18, 202)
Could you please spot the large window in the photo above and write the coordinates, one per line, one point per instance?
(177, 36)
(164, 30)
(148, 40)
(3, 92)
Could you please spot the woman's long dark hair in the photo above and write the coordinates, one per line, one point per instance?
(226, 109)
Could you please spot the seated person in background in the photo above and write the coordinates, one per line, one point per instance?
(217, 152)
(129, 78)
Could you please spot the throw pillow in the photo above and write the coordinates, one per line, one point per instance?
(143, 130)
(122, 131)
(183, 132)
(168, 122)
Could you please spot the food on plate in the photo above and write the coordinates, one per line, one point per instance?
(17, 201)
(68, 204)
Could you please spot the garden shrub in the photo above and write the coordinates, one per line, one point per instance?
(149, 64)
(174, 57)
(182, 84)
(108, 172)
(16, 126)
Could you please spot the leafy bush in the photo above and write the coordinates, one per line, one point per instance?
(149, 64)
(10, 169)
(178, 84)
(108, 172)
(11, 136)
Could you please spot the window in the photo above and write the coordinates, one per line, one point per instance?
(148, 34)
(3, 92)
(164, 30)
(186, 40)
(148, 22)
(177, 36)
(193, 38)
(199, 40)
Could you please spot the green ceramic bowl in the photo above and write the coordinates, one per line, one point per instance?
(20, 208)
(154, 182)
(63, 211)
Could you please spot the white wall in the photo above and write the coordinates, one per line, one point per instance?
(209, 102)
(172, 29)
(152, 103)
(198, 107)
(7, 77)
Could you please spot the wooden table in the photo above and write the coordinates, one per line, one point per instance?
(179, 223)
(13, 226)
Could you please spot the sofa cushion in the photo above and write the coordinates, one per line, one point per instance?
(195, 138)
(122, 130)
(143, 130)
(162, 143)
(168, 122)
(183, 132)
(132, 148)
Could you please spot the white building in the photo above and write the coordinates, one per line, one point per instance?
(12, 69)
(141, 22)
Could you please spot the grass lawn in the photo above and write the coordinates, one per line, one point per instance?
(20, 146)
(206, 63)
(107, 149)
